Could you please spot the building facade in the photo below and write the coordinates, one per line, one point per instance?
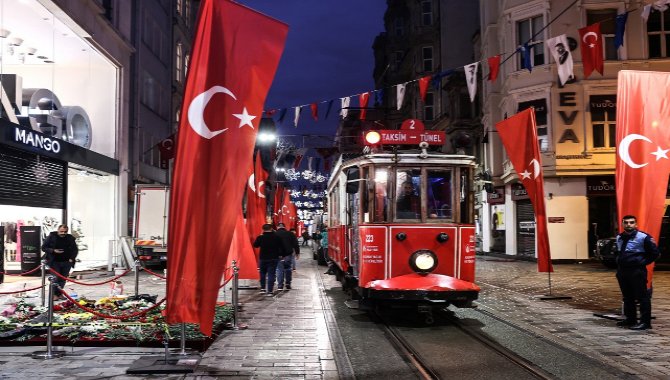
(576, 122)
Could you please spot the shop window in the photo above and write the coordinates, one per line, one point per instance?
(427, 13)
(427, 56)
(607, 20)
(429, 107)
(527, 32)
(603, 120)
(658, 33)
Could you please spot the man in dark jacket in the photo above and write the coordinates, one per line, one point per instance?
(637, 249)
(285, 267)
(61, 252)
(271, 250)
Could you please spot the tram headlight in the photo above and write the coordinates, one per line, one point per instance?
(423, 261)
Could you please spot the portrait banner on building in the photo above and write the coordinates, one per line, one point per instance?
(558, 46)
(223, 100)
(519, 136)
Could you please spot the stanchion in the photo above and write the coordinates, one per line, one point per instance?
(182, 344)
(44, 280)
(137, 278)
(235, 297)
(49, 353)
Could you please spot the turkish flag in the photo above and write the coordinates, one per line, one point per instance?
(256, 200)
(592, 49)
(519, 136)
(236, 51)
(315, 111)
(166, 148)
(242, 252)
(363, 103)
(423, 86)
(642, 136)
(494, 66)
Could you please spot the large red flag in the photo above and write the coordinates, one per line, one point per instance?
(642, 138)
(592, 49)
(256, 200)
(235, 55)
(519, 136)
(242, 251)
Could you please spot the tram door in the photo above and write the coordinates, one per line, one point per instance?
(352, 216)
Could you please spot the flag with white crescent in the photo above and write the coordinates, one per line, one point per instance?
(256, 200)
(518, 134)
(643, 143)
(592, 49)
(236, 52)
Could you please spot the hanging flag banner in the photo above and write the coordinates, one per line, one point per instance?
(345, 106)
(471, 79)
(519, 137)
(525, 57)
(225, 90)
(494, 67)
(620, 29)
(642, 136)
(592, 49)
(242, 252)
(400, 95)
(423, 86)
(363, 103)
(296, 118)
(315, 111)
(558, 46)
(256, 200)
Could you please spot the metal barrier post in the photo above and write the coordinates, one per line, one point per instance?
(49, 353)
(44, 281)
(137, 278)
(235, 294)
(183, 340)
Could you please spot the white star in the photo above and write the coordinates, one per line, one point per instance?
(661, 153)
(525, 174)
(245, 118)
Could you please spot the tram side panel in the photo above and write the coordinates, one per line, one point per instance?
(374, 254)
(337, 246)
(423, 238)
(467, 256)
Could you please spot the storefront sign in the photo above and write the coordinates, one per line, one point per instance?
(600, 185)
(30, 138)
(497, 196)
(519, 192)
(556, 219)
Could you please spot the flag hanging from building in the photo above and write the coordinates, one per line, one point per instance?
(423, 86)
(226, 87)
(400, 95)
(344, 109)
(296, 118)
(559, 48)
(315, 111)
(363, 100)
(494, 67)
(471, 79)
(620, 29)
(519, 136)
(642, 139)
(592, 49)
(166, 148)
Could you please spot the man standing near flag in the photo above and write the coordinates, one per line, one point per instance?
(637, 249)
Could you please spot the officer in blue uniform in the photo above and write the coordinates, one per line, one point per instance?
(637, 249)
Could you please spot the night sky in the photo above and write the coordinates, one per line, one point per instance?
(328, 55)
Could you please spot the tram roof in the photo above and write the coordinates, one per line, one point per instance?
(406, 158)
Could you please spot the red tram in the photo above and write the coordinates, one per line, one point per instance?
(401, 229)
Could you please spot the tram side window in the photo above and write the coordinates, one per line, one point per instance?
(439, 192)
(381, 195)
(408, 202)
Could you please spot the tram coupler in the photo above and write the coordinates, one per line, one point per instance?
(427, 312)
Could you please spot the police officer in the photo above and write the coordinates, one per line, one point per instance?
(636, 250)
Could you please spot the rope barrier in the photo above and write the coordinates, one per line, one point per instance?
(23, 290)
(23, 273)
(110, 316)
(154, 274)
(91, 283)
(225, 281)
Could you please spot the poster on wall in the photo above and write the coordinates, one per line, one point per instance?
(498, 217)
(30, 247)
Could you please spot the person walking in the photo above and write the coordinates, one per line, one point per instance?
(285, 266)
(305, 238)
(637, 249)
(271, 251)
(61, 252)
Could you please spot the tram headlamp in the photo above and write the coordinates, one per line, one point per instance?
(423, 261)
(372, 138)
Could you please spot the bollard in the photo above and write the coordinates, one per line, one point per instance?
(235, 294)
(137, 278)
(49, 353)
(44, 280)
(183, 340)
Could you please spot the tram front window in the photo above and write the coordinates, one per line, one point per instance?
(439, 195)
(408, 204)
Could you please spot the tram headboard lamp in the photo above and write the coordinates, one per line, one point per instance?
(401, 236)
(442, 237)
(423, 261)
(372, 138)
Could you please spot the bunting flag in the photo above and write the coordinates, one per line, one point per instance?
(315, 111)
(310, 160)
(519, 137)
(558, 46)
(525, 57)
(494, 66)
(620, 29)
(592, 49)
(363, 103)
(256, 200)
(642, 136)
(296, 118)
(345, 106)
(645, 12)
(330, 105)
(423, 86)
(282, 114)
(400, 94)
(271, 112)
(436, 81)
(379, 97)
(471, 79)
(299, 154)
(226, 87)
(242, 252)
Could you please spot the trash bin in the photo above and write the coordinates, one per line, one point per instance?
(31, 242)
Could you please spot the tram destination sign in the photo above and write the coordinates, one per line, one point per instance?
(411, 137)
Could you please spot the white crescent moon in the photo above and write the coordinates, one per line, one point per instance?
(197, 108)
(624, 147)
(282, 210)
(588, 34)
(260, 194)
(536, 168)
(167, 143)
(251, 181)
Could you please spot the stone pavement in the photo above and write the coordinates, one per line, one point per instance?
(294, 336)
